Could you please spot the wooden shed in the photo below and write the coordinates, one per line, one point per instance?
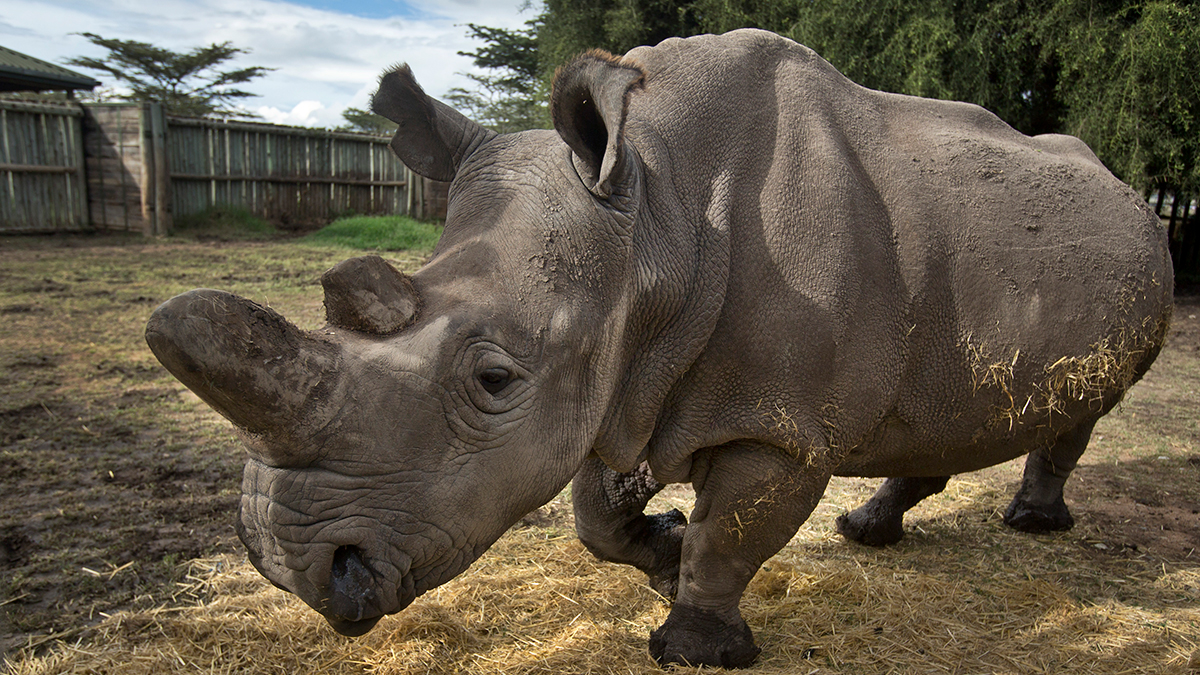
(42, 183)
(21, 72)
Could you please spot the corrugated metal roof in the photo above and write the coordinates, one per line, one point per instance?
(21, 72)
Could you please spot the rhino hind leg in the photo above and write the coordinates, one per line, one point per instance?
(1038, 505)
(610, 522)
(880, 521)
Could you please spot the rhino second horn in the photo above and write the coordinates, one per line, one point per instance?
(369, 295)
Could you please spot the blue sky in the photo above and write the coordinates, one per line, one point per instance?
(371, 9)
(327, 54)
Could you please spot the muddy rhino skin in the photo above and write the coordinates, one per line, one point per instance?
(727, 265)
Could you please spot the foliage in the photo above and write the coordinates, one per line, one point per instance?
(366, 122)
(1130, 85)
(378, 233)
(568, 27)
(188, 83)
(514, 51)
(512, 99)
(1120, 74)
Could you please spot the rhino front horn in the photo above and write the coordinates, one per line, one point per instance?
(369, 295)
(245, 360)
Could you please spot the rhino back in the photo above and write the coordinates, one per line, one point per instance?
(899, 274)
(1040, 288)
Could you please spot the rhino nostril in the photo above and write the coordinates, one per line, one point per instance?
(352, 594)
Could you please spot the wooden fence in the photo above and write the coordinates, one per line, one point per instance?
(119, 141)
(129, 167)
(41, 168)
(1182, 220)
(290, 176)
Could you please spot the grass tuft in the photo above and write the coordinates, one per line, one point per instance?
(378, 233)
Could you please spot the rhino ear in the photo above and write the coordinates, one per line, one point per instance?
(588, 104)
(432, 138)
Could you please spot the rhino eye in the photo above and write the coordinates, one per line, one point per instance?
(495, 379)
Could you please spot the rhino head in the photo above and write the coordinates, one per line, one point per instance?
(391, 447)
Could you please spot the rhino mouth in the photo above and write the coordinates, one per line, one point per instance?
(355, 596)
(352, 598)
(353, 606)
(352, 628)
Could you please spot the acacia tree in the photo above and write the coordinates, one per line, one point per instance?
(366, 122)
(513, 99)
(187, 83)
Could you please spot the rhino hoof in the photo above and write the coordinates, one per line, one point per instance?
(694, 637)
(1038, 518)
(665, 584)
(860, 526)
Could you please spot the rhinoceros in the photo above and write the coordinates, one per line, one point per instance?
(726, 265)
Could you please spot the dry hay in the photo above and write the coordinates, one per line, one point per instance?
(1111, 365)
(1109, 368)
(960, 594)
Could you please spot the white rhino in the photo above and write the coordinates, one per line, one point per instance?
(727, 265)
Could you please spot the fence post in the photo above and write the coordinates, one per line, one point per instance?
(156, 182)
(409, 177)
(418, 197)
(162, 171)
(81, 206)
(1188, 260)
(146, 184)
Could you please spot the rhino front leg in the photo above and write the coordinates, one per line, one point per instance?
(610, 523)
(750, 500)
(1038, 506)
(880, 521)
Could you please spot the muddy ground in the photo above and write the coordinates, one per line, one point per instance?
(112, 475)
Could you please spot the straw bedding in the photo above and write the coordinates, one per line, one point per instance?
(1109, 368)
(960, 594)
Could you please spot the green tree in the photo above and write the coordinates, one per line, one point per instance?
(187, 83)
(366, 122)
(569, 27)
(1131, 87)
(512, 99)
(1120, 74)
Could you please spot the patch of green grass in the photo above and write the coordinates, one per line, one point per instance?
(224, 223)
(378, 233)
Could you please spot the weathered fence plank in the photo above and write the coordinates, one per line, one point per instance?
(292, 176)
(115, 164)
(129, 167)
(42, 184)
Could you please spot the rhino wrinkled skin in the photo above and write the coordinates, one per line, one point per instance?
(727, 265)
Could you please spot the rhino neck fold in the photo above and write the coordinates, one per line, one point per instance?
(680, 271)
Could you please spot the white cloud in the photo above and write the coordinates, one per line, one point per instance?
(304, 114)
(321, 57)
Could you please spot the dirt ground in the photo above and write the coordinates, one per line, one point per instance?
(112, 475)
